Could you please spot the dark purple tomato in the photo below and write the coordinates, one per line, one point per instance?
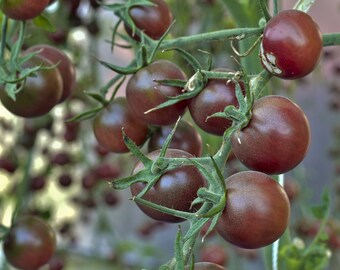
(185, 138)
(152, 20)
(216, 95)
(65, 66)
(214, 253)
(206, 266)
(23, 9)
(277, 137)
(143, 93)
(108, 124)
(291, 45)
(257, 210)
(39, 94)
(175, 189)
(30, 243)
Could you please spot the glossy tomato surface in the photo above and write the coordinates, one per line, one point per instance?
(185, 138)
(23, 9)
(257, 210)
(217, 94)
(153, 20)
(143, 93)
(291, 45)
(175, 189)
(206, 266)
(277, 137)
(108, 124)
(64, 66)
(30, 243)
(39, 94)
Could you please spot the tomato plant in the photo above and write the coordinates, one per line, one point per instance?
(30, 243)
(176, 188)
(185, 138)
(39, 94)
(23, 9)
(144, 92)
(216, 95)
(64, 66)
(108, 125)
(292, 44)
(257, 210)
(153, 20)
(277, 137)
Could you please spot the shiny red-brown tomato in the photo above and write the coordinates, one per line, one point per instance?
(175, 189)
(153, 20)
(185, 138)
(64, 65)
(30, 243)
(276, 139)
(257, 210)
(39, 94)
(23, 9)
(206, 266)
(216, 95)
(143, 93)
(292, 45)
(108, 124)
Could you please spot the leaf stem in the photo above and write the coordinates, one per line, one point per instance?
(331, 39)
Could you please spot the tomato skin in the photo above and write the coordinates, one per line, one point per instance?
(174, 189)
(292, 41)
(152, 20)
(39, 94)
(64, 66)
(206, 266)
(257, 210)
(185, 138)
(23, 9)
(30, 243)
(216, 95)
(108, 124)
(277, 137)
(144, 93)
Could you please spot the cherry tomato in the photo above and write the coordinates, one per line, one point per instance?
(152, 20)
(64, 66)
(257, 210)
(216, 95)
(277, 137)
(175, 189)
(23, 9)
(108, 124)
(39, 94)
(185, 138)
(206, 266)
(214, 253)
(143, 93)
(291, 45)
(30, 243)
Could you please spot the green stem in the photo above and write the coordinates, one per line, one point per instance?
(210, 36)
(331, 39)
(3, 38)
(263, 5)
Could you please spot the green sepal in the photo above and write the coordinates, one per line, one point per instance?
(98, 97)
(43, 22)
(86, 115)
(179, 256)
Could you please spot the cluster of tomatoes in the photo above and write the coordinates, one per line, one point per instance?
(274, 141)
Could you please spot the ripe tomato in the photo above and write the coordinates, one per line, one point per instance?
(257, 210)
(144, 93)
(30, 243)
(214, 253)
(175, 189)
(186, 138)
(152, 20)
(65, 66)
(216, 95)
(108, 124)
(277, 137)
(206, 266)
(23, 9)
(291, 45)
(39, 94)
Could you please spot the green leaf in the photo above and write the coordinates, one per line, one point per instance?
(321, 211)
(43, 22)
